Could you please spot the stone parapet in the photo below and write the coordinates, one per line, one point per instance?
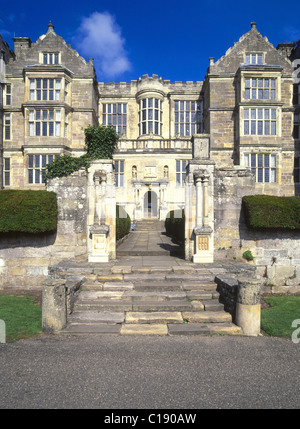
(59, 296)
(241, 298)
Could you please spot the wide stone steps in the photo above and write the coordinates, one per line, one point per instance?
(150, 303)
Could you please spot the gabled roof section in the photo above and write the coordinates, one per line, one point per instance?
(251, 42)
(28, 54)
(52, 39)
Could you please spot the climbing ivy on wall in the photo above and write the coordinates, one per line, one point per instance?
(100, 143)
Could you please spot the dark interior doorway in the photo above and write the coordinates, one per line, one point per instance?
(150, 205)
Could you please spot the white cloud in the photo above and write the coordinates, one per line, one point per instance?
(99, 37)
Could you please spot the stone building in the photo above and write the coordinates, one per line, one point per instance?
(235, 133)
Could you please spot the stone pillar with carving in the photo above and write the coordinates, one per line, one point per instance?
(199, 203)
(102, 212)
(203, 230)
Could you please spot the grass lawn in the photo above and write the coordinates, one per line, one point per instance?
(22, 316)
(277, 320)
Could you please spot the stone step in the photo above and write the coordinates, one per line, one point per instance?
(133, 295)
(158, 286)
(144, 329)
(95, 328)
(204, 286)
(168, 305)
(204, 329)
(93, 317)
(159, 317)
(207, 317)
(154, 329)
(154, 296)
(201, 295)
(117, 305)
(213, 305)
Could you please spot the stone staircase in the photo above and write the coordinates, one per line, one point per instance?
(149, 225)
(150, 301)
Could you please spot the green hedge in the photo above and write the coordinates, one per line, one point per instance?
(175, 224)
(264, 212)
(28, 211)
(123, 222)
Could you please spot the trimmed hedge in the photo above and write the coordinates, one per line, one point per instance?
(264, 212)
(123, 222)
(175, 225)
(28, 211)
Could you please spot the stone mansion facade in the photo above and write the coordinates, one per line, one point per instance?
(244, 117)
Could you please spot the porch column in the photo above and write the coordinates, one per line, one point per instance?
(102, 212)
(203, 232)
(199, 200)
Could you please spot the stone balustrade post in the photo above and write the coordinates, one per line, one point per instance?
(248, 307)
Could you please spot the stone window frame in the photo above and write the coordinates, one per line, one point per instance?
(8, 94)
(263, 164)
(6, 171)
(187, 121)
(38, 91)
(50, 58)
(180, 172)
(296, 94)
(260, 121)
(36, 167)
(296, 131)
(45, 125)
(297, 169)
(260, 88)
(254, 58)
(66, 131)
(115, 114)
(119, 173)
(150, 116)
(7, 134)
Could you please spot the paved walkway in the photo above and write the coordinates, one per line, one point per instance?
(149, 240)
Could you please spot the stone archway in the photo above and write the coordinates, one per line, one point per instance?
(150, 205)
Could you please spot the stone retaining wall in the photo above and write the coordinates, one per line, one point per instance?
(276, 254)
(25, 258)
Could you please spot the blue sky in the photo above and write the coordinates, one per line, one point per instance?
(173, 39)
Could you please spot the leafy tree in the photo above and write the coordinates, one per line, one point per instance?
(100, 143)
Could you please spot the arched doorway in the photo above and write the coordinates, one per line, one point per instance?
(150, 205)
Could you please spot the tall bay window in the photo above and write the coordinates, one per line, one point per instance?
(115, 114)
(45, 122)
(8, 95)
(7, 126)
(37, 167)
(260, 121)
(45, 89)
(187, 118)
(262, 165)
(150, 116)
(6, 171)
(260, 89)
(119, 173)
(180, 172)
